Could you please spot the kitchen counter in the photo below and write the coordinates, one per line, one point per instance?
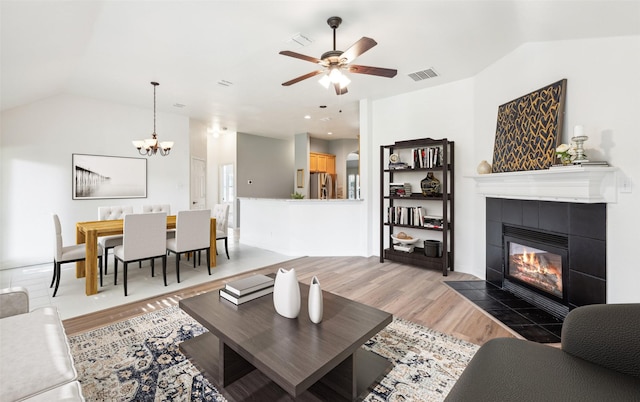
(304, 227)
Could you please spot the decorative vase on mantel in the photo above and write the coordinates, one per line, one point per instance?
(430, 186)
(315, 301)
(484, 167)
(286, 293)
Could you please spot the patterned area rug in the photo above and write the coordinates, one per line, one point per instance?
(138, 360)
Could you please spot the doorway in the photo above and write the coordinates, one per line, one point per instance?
(228, 190)
(198, 183)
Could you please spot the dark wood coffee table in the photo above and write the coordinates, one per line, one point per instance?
(295, 354)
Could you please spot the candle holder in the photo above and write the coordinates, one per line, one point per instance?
(580, 156)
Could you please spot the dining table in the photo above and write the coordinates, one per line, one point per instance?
(88, 233)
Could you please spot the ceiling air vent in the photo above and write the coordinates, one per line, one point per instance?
(424, 74)
(225, 83)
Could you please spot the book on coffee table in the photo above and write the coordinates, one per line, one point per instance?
(248, 285)
(247, 297)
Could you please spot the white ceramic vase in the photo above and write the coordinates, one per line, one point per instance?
(484, 168)
(286, 293)
(315, 301)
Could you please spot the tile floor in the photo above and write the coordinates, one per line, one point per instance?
(72, 301)
(529, 321)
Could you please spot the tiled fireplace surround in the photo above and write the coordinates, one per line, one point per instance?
(569, 203)
(583, 224)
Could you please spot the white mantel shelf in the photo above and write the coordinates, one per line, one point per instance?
(584, 184)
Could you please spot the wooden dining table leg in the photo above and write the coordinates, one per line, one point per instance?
(80, 268)
(212, 240)
(91, 263)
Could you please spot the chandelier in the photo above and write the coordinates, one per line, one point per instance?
(151, 146)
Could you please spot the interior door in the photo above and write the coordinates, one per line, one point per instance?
(228, 191)
(198, 183)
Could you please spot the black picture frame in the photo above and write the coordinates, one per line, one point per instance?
(101, 176)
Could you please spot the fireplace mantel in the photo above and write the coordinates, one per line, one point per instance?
(582, 184)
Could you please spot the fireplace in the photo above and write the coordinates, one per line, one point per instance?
(551, 254)
(536, 266)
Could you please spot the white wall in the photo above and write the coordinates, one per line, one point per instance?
(603, 95)
(445, 111)
(37, 143)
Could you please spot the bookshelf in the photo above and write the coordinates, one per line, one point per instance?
(404, 206)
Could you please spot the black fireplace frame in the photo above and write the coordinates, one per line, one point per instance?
(584, 225)
(555, 243)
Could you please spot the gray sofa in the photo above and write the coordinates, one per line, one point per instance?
(599, 361)
(35, 362)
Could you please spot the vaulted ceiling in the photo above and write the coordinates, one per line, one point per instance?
(219, 59)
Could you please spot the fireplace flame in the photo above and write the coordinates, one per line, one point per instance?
(538, 270)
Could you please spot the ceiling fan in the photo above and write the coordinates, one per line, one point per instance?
(334, 61)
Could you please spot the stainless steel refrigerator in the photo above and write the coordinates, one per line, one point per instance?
(322, 186)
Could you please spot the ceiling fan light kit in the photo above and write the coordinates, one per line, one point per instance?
(334, 61)
(151, 146)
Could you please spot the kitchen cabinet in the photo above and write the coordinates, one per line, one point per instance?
(322, 163)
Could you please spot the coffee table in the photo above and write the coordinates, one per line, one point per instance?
(295, 354)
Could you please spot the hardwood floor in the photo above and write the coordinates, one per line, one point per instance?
(407, 292)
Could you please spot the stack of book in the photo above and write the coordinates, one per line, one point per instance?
(246, 289)
(400, 189)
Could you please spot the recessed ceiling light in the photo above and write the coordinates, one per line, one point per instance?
(307, 117)
(330, 133)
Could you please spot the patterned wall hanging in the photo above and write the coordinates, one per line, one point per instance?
(529, 129)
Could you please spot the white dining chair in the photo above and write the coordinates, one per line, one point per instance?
(221, 213)
(107, 243)
(147, 208)
(65, 254)
(166, 208)
(144, 238)
(193, 234)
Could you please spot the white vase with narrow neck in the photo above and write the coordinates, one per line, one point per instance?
(286, 293)
(315, 301)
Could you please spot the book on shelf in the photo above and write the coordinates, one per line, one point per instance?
(410, 216)
(583, 163)
(433, 222)
(429, 157)
(400, 189)
(398, 165)
(225, 294)
(248, 285)
(406, 248)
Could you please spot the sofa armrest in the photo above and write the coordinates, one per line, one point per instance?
(13, 301)
(605, 334)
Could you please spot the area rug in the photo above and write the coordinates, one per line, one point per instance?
(139, 360)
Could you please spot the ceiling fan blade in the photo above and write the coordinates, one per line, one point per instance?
(302, 77)
(300, 56)
(383, 72)
(358, 48)
(340, 91)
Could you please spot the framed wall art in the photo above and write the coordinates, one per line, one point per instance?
(529, 129)
(97, 176)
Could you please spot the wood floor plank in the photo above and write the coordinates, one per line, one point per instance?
(408, 292)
